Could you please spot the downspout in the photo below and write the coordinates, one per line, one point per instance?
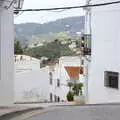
(88, 30)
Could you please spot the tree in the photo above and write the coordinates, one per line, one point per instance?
(52, 50)
(17, 48)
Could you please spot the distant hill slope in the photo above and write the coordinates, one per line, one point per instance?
(24, 32)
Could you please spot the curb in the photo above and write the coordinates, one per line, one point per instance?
(103, 104)
(30, 115)
(7, 116)
(15, 113)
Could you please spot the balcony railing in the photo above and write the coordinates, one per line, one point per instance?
(86, 44)
(86, 51)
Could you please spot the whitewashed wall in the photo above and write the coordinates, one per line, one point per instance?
(27, 62)
(63, 76)
(32, 86)
(105, 52)
(33, 83)
(6, 57)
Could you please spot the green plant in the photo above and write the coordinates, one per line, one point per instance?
(70, 96)
(70, 84)
(17, 48)
(52, 49)
(77, 88)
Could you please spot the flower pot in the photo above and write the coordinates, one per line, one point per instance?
(79, 99)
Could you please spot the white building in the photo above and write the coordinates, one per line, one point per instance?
(6, 53)
(61, 74)
(104, 80)
(31, 81)
(35, 84)
(48, 84)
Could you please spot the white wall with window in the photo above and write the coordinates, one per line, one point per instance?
(35, 84)
(31, 82)
(60, 75)
(104, 80)
(60, 83)
(52, 82)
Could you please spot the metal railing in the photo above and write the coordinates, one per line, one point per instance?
(86, 45)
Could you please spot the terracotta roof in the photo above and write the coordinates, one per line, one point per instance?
(73, 72)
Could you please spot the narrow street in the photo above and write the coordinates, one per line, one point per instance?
(109, 112)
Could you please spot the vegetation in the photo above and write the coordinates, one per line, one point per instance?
(47, 31)
(77, 89)
(70, 84)
(70, 96)
(50, 50)
(17, 48)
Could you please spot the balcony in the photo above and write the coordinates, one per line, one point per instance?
(86, 44)
(86, 51)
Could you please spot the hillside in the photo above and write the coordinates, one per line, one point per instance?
(28, 32)
(53, 49)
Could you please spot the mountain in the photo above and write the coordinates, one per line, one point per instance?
(26, 32)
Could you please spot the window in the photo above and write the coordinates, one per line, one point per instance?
(51, 77)
(55, 98)
(51, 81)
(86, 44)
(58, 83)
(82, 62)
(111, 79)
(15, 58)
(51, 97)
(50, 73)
(58, 99)
(21, 57)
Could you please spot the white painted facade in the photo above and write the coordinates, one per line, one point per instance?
(105, 52)
(6, 55)
(61, 74)
(7, 51)
(31, 81)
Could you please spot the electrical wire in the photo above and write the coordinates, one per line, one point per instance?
(19, 14)
(57, 10)
(69, 7)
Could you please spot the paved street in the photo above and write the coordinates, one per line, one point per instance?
(111, 112)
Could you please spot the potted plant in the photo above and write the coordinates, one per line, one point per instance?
(78, 93)
(70, 84)
(70, 94)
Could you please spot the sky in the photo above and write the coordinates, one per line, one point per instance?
(42, 17)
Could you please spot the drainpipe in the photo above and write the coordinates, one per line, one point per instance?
(88, 30)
